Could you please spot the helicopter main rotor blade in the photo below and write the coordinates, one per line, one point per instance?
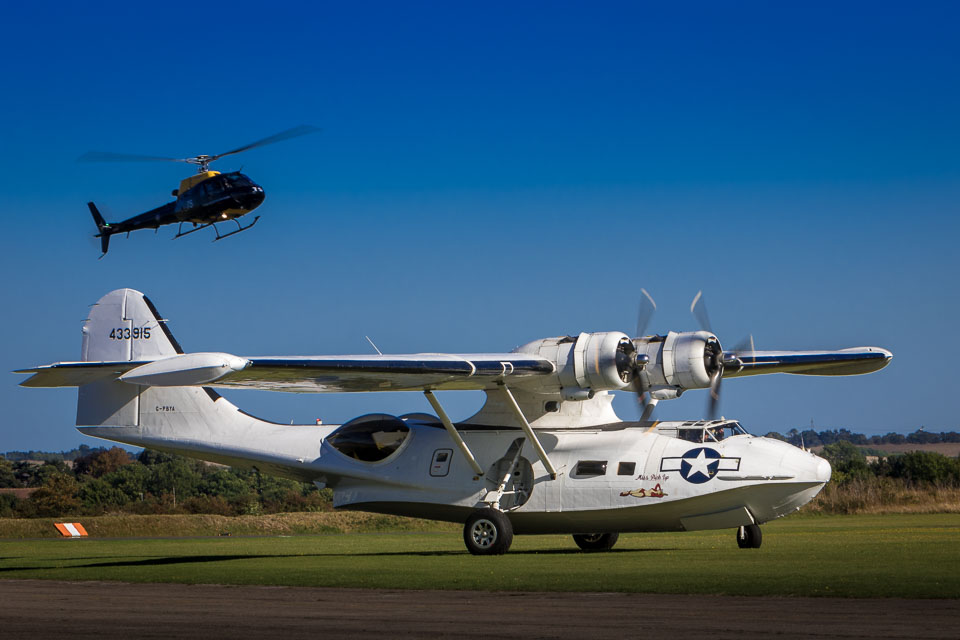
(107, 156)
(302, 130)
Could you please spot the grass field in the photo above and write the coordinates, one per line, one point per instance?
(853, 556)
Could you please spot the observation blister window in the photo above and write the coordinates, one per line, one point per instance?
(370, 438)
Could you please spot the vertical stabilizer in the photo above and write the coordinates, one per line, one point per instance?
(123, 326)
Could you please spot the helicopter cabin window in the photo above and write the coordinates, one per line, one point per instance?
(591, 468)
(213, 186)
(370, 438)
(626, 468)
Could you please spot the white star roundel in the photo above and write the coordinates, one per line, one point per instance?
(699, 465)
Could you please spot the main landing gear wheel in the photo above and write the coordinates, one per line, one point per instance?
(596, 541)
(488, 532)
(749, 537)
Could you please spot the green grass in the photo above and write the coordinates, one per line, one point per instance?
(854, 556)
(183, 525)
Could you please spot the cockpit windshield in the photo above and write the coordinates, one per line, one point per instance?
(713, 431)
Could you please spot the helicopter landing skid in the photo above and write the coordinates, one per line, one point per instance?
(216, 229)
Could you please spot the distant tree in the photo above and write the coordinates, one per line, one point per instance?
(132, 480)
(176, 478)
(98, 495)
(228, 484)
(57, 496)
(926, 466)
(8, 505)
(150, 457)
(893, 438)
(847, 461)
(922, 437)
(102, 462)
(7, 477)
(776, 436)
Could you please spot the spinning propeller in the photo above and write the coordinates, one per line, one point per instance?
(716, 360)
(202, 161)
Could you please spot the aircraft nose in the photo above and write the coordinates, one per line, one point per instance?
(253, 199)
(823, 470)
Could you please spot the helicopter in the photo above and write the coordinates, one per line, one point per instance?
(203, 199)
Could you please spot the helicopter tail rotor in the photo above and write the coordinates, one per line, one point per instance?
(103, 227)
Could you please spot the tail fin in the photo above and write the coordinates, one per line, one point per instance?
(194, 421)
(122, 326)
(102, 226)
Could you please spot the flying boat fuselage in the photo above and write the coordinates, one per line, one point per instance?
(617, 478)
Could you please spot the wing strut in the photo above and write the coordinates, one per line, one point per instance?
(528, 430)
(452, 430)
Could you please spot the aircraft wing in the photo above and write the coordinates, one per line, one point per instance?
(843, 362)
(304, 374)
(385, 373)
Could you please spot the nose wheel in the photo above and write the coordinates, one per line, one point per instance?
(488, 532)
(749, 537)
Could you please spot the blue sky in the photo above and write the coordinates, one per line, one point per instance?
(488, 175)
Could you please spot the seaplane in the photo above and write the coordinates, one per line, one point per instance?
(545, 454)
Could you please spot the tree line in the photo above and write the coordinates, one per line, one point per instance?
(112, 480)
(813, 438)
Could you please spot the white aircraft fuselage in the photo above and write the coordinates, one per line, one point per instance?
(545, 454)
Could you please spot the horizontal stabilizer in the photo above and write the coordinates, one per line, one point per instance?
(74, 374)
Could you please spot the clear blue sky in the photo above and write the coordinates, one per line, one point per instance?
(488, 175)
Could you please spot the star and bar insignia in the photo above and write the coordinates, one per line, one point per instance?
(700, 464)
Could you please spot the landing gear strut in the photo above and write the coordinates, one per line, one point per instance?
(488, 532)
(749, 537)
(596, 541)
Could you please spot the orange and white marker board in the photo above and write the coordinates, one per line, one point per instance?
(70, 529)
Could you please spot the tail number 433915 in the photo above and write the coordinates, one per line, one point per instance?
(128, 333)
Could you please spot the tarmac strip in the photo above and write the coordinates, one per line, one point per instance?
(47, 608)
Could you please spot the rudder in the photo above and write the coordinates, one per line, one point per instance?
(123, 326)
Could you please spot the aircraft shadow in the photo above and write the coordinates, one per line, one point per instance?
(149, 562)
(175, 560)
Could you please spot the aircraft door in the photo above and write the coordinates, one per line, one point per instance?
(440, 463)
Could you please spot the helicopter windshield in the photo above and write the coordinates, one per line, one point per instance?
(236, 179)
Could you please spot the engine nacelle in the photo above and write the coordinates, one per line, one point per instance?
(680, 360)
(588, 363)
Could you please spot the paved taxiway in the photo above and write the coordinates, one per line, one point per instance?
(42, 608)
